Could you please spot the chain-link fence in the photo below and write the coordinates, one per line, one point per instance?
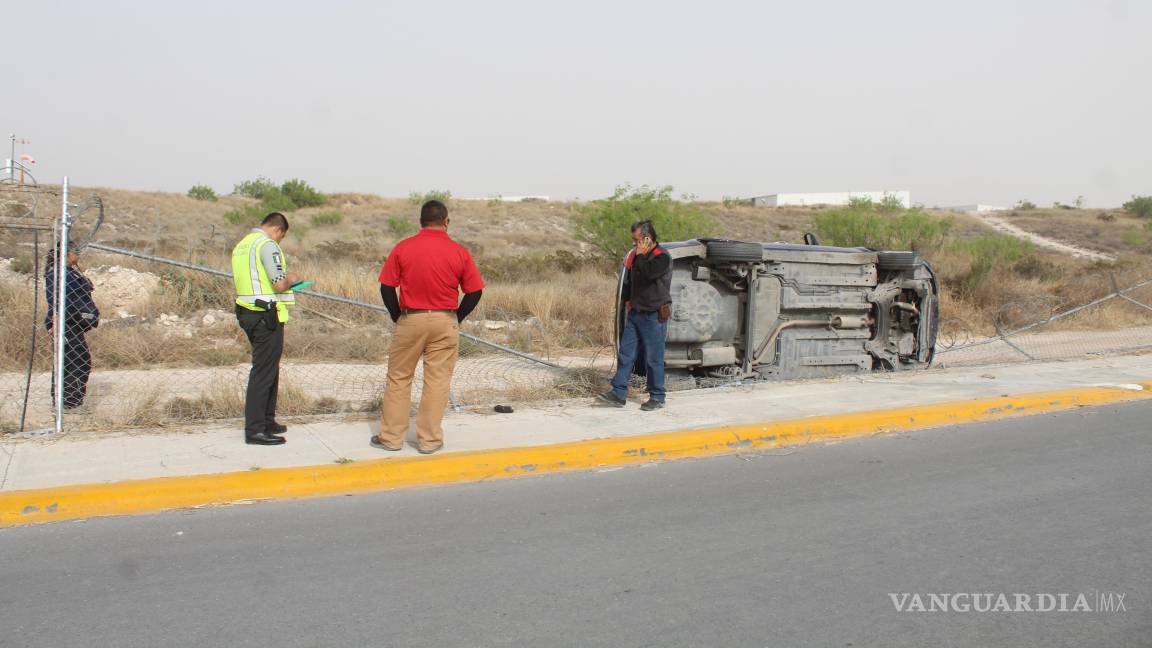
(168, 350)
(1041, 328)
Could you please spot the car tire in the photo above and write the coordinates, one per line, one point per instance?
(897, 260)
(735, 251)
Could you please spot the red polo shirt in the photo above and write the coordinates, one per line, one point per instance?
(430, 270)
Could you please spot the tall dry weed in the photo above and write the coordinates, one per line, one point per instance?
(575, 310)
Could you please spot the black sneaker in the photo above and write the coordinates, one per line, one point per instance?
(652, 404)
(612, 399)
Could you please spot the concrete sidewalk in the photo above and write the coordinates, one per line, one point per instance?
(43, 462)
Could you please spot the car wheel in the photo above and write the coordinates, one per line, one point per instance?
(737, 251)
(897, 260)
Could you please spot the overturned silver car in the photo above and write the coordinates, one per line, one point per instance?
(781, 311)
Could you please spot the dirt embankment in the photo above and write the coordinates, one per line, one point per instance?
(1001, 225)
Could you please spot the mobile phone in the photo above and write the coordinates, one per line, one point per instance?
(301, 285)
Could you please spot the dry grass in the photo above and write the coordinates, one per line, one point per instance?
(572, 383)
(173, 224)
(1112, 231)
(16, 326)
(573, 309)
(224, 399)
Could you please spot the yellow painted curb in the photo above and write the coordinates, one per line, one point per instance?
(149, 495)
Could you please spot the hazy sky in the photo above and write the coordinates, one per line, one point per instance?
(960, 102)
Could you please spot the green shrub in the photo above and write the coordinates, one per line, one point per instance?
(882, 226)
(989, 252)
(401, 227)
(202, 192)
(1137, 237)
(275, 200)
(301, 193)
(254, 188)
(292, 194)
(1140, 206)
(247, 214)
(417, 198)
(1025, 205)
(327, 218)
(606, 224)
(996, 247)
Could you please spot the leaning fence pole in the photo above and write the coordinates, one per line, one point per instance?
(35, 325)
(61, 284)
(312, 293)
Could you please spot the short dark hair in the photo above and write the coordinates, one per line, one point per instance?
(50, 256)
(433, 212)
(276, 219)
(647, 227)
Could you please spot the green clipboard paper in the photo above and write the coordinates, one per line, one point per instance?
(301, 285)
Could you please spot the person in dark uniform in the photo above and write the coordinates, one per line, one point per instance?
(263, 295)
(81, 316)
(648, 303)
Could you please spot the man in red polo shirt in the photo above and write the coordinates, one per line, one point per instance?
(430, 270)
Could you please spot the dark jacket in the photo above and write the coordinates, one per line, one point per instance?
(648, 280)
(79, 305)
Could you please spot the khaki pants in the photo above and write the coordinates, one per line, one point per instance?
(436, 337)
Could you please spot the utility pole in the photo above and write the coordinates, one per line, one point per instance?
(12, 159)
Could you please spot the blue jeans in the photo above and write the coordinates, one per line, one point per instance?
(643, 341)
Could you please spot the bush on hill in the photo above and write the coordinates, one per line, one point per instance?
(606, 224)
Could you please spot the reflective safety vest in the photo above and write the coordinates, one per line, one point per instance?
(252, 280)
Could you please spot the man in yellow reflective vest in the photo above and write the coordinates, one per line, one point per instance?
(263, 295)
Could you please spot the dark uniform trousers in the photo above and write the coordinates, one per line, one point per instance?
(77, 366)
(264, 378)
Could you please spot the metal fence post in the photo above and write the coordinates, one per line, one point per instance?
(61, 284)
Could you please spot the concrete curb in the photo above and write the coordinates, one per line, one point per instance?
(151, 495)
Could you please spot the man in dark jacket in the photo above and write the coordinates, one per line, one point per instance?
(647, 302)
(81, 316)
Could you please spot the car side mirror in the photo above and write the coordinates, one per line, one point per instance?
(810, 239)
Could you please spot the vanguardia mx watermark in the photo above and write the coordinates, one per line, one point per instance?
(1095, 601)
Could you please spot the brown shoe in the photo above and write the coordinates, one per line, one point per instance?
(376, 443)
(429, 450)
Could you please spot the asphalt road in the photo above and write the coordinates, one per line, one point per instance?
(795, 548)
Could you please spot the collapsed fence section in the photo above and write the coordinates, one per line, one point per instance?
(168, 350)
(1039, 328)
